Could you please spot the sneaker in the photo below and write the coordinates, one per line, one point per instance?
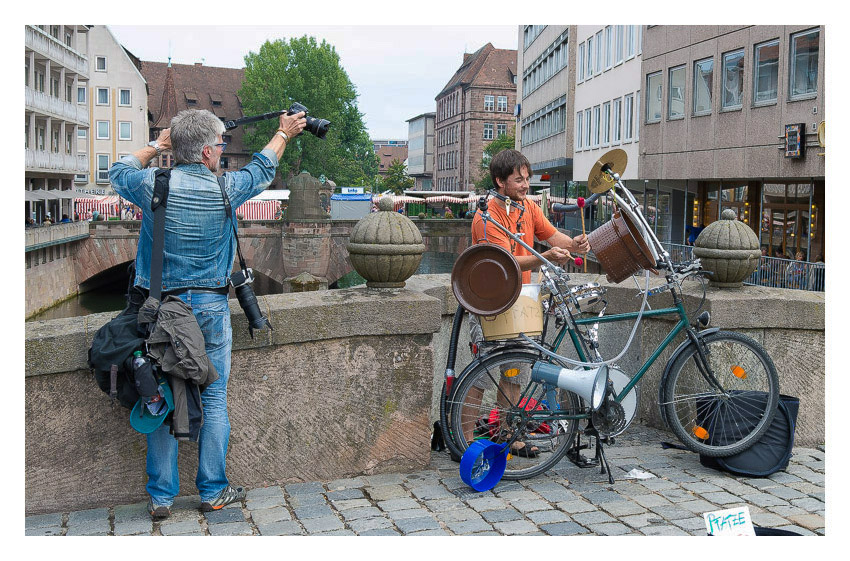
(158, 512)
(228, 495)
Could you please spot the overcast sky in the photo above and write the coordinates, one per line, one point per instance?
(398, 70)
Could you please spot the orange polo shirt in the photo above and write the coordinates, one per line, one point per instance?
(530, 224)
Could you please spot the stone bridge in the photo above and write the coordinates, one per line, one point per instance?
(275, 249)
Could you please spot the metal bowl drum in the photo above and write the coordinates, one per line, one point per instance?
(588, 294)
(486, 279)
(620, 247)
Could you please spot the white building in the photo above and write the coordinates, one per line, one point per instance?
(56, 62)
(116, 99)
(420, 151)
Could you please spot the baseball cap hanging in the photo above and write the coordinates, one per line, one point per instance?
(141, 417)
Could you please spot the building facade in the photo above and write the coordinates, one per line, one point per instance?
(730, 120)
(116, 98)
(545, 100)
(420, 151)
(387, 151)
(473, 109)
(56, 63)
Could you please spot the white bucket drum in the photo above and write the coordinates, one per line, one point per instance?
(525, 316)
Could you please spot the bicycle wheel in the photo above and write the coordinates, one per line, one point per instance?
(725, 420)
(487, 405)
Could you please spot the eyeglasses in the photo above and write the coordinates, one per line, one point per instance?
(223, 145)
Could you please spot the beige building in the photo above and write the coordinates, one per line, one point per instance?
(420, 151)
(731, 117)
(55, 63)
(545, 101)
(117, 101)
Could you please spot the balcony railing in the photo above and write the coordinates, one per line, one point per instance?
(56, 107)
(56, 50)
(41, 160)
(37, 238)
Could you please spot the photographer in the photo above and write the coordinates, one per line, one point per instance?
(199, 252)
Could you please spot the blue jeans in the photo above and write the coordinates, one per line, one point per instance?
(213, 315)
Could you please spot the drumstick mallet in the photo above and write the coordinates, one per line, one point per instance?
(580, 203)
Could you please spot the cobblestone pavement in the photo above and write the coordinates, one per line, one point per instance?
(565, 501)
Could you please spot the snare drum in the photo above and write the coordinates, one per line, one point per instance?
(586, 294)
(524, 316)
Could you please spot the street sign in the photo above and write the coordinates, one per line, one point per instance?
(351, 190)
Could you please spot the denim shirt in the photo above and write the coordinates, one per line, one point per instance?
(199, 243)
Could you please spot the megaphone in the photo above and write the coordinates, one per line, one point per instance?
(589, 384)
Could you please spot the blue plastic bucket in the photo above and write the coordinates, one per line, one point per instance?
(483, 464)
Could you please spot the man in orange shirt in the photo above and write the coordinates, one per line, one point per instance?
(510, 171)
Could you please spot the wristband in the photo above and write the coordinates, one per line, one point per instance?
(283, 135)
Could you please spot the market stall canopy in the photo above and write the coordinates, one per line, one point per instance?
(32, 196)
(272, 195)
(44, 194)
(59, 194)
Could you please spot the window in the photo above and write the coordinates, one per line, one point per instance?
(103, 96)
(653, 97)
(676, 93)
(103, 168)
(579, 130)
(606, 123)
(81, 94)
(68, 138)
(637, 115)
(502, 103)
(618, 46)
(124, 98)
(628, 116)
(124, 130)
(733, 79)
(100, 63)
(596, 131)
(225, 163)
(488, 131)
(102, 130)
(589, 70)
(804, 64)
(630, 41)
(488, 102)
(54, 87)
(81, 178)
(609, 47)
(68, 89)
(580, 63)
(501, 129)
(587, 130)
(765, 72)
(703, 80)
(82, 140)
(617, 133)
(54, 141)
(599, 52)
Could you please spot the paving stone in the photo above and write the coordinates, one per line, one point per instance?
(386, 492)
(487, 503)
(786, 510)
(304, 488)
(573, 507)
(761, 483)
(322, 524)
(411, 513)
(622, 508)
(452, 483)
(671, 512)
(587, 518)
(531, 505)
(351, 504)
(698, 506)
(806, 487)
(81, 517)
(564, 529)
(552, 492)
(366, 524)
(663, 531)
(44, 531)
(134, 527)
(178, 528)
(809, 521)
(515, 527)
(658, 484)
(398, 504)
(231, 529)
(783, 477)
(337, 533)
(313, 511)
(768, 519)
(808, 504)
(263, 492)
(439, 532)
(270, 515)
(651, 500)
(383, 479)
(381, 532)
(268, 501)
(468, 526)
(280, 528)
(676, 495)
(701, 487)
(365, 512)
(721, 498)
(519, 495)
(300, 501)
(641, 520)
(344, 494)
(43, 520)
(505, 486)
(797, 529)
(411, 525)
(445, 505)
(504, 515)
(600, 497)
(224, 515)
(763, 499)
(691, 524)
(135, 511)
(610, 529)
(340, 484)
(458, 515)
(187, 502)
(89, 528)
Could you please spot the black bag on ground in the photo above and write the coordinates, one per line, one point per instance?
(772, 451)
(111, 353)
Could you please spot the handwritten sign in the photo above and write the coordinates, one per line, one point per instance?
(730, 522)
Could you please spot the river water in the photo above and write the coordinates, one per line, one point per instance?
(110, 298)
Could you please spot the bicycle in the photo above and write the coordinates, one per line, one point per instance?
(718, 393)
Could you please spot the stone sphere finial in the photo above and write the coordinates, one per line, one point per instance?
(729, 249)
(386, 203)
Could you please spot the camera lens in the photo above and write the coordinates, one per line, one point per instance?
(248, 302)
(318, 127)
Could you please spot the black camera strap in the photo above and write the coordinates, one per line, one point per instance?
(158, 204)
(228, 210)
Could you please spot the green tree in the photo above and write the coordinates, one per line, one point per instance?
(503, 142)
(310, 73)
(396, 178)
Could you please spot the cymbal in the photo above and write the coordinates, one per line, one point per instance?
(615, 160)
